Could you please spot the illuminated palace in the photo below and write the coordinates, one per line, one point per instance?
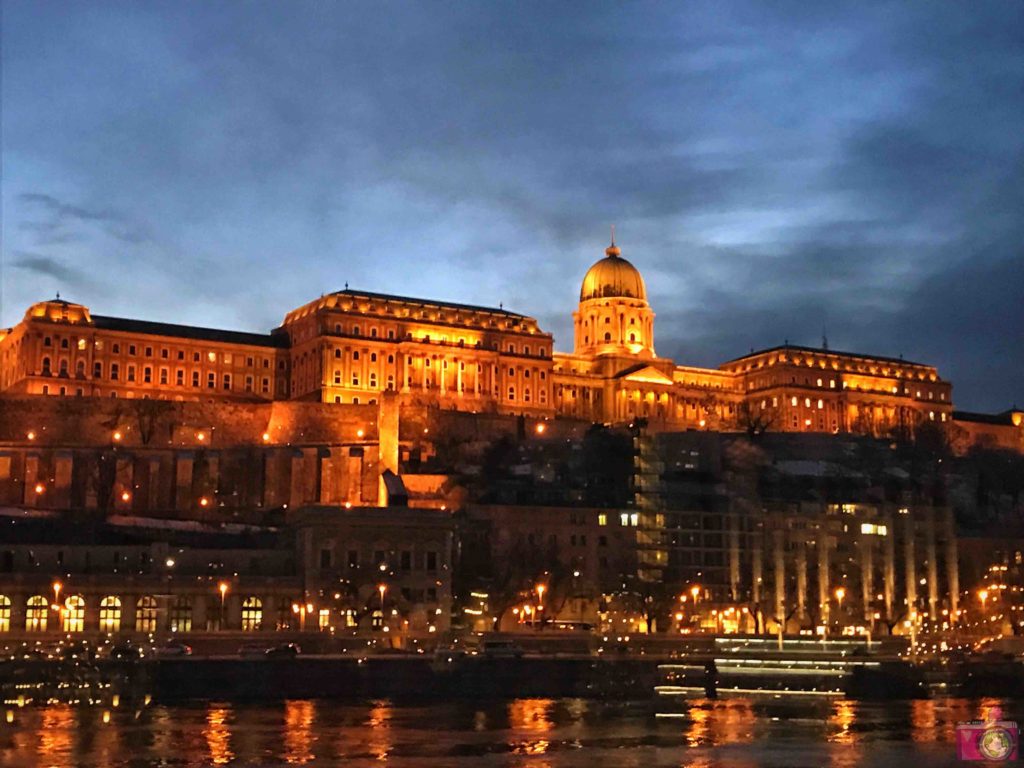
(349, 346)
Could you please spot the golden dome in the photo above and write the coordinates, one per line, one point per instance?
(613, 277)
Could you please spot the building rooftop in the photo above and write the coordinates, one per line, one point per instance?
(188, 332)
(424, 302)
(822, 351)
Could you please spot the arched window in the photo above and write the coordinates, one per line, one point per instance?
(37, 611)
(110, 614)
(5, 613)
(607, 337)
(181, 614)
(74, 614)
(252, 614)
(145, 614)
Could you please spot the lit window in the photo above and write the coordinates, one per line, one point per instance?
(74, 614)
(5, 613)
(36, 613)
(110, 614)
(602, 519)
(252, 614)
(145, 614)
(181, 614)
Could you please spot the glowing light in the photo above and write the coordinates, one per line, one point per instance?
(201, 436)
(223, 589)
(125, 496)
(266, 437)
(40, 488)
(31, 435)
(204, 502)
(541, 428)
(169, 562)
(117, 437)
(360, 433)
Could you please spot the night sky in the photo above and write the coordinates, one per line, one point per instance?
(773, 169)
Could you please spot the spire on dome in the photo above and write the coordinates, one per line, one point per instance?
(613, 249)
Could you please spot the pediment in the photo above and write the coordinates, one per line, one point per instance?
(646, 374)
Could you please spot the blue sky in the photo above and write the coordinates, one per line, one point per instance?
(772, 168)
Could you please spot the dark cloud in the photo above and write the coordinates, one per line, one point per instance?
(47, 266)
(773, 169)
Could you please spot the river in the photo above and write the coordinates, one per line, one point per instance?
(539, 733)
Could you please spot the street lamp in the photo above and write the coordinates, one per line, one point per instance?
(983, 596)
(540, 600)
(223, 589)
(382, 588)
(57, 586)
(840, 594)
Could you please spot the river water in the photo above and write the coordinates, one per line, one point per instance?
(539, 733)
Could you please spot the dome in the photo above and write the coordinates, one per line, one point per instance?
(613, 277)
(59, 311)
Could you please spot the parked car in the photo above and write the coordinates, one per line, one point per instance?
(174, 648)
(283, 651)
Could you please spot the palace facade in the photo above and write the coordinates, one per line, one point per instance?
(350, 346)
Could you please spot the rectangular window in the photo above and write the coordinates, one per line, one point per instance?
(431, 561)
(114, 371)
(147, 375)
(195, 378)
(164, 376)
(211, 380)
(131, 373)
(227, 381)
(179, 377)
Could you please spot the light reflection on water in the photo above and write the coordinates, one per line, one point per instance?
(534, 733)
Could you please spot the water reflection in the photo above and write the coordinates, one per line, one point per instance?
(298, 731)
(720, 722)
(218, 735)
(923, 721)
(533, 716)
(378, 740)
(56, 732)
(531, 733)
(698, 730)
(840, 722)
